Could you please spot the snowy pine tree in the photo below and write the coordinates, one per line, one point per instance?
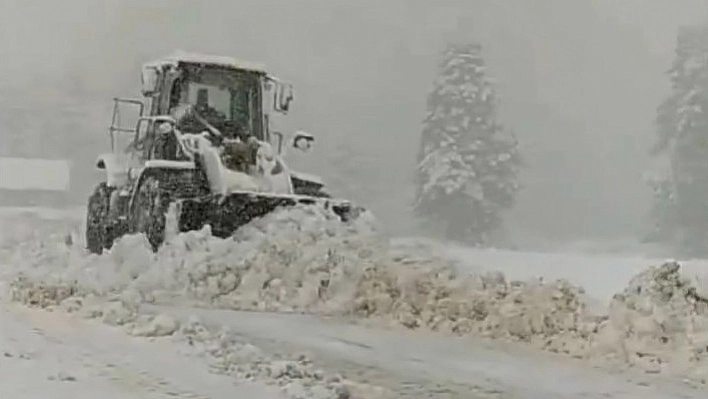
(467, 172)
(682, 128)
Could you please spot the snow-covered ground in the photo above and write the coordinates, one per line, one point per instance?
(49, 355)
(423, 364)
(600, 275)
(401, 319)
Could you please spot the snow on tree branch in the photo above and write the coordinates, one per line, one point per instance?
(680, 212)
(467, 172)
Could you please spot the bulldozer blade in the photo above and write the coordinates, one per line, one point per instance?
(226, 213)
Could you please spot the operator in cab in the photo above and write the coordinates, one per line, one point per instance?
(238, 148)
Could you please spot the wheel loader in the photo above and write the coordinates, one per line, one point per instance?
(202, 144)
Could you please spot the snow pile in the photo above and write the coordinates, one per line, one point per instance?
(301, 259)
(305, 260)
(297, 259)
(552, 316)
(43, 268)
(660, 323)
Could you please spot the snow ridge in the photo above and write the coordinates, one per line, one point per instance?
(305, 260)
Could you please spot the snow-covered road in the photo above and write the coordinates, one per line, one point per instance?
(59, 355)
(420, 365)
(51, 355)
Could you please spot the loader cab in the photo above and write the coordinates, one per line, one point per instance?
(229, 99)
(235, 97)
(239, 94)
(229, 94)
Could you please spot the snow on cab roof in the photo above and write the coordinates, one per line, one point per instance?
(216, 60)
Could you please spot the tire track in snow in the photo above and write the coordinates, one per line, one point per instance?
(419, 365)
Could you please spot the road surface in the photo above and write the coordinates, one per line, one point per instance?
(418, 365)
(51, 355)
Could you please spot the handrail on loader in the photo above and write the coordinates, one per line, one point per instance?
(115, 121)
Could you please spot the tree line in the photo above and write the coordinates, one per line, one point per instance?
(468, 164)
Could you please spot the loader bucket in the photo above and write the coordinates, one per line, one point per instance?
(226, 213)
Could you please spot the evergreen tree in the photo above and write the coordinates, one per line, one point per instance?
(682, 128)
(466, 173)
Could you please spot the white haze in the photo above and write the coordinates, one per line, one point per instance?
(579, 82)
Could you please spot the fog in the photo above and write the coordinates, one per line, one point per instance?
(579, 82)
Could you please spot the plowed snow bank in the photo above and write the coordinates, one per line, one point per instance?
(551, 316)
(660, 323)
(304, 259)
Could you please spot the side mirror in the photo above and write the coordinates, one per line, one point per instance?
(149, 81)
(282, 96)
(303, 140)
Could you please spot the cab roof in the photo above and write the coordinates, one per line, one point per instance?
(179, 57)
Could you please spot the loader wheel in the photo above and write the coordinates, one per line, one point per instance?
(150, 209)
(97, 234)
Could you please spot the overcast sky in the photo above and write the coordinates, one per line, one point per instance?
(658, 19)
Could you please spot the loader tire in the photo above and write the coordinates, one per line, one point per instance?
(150, 209)
(97, 234)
